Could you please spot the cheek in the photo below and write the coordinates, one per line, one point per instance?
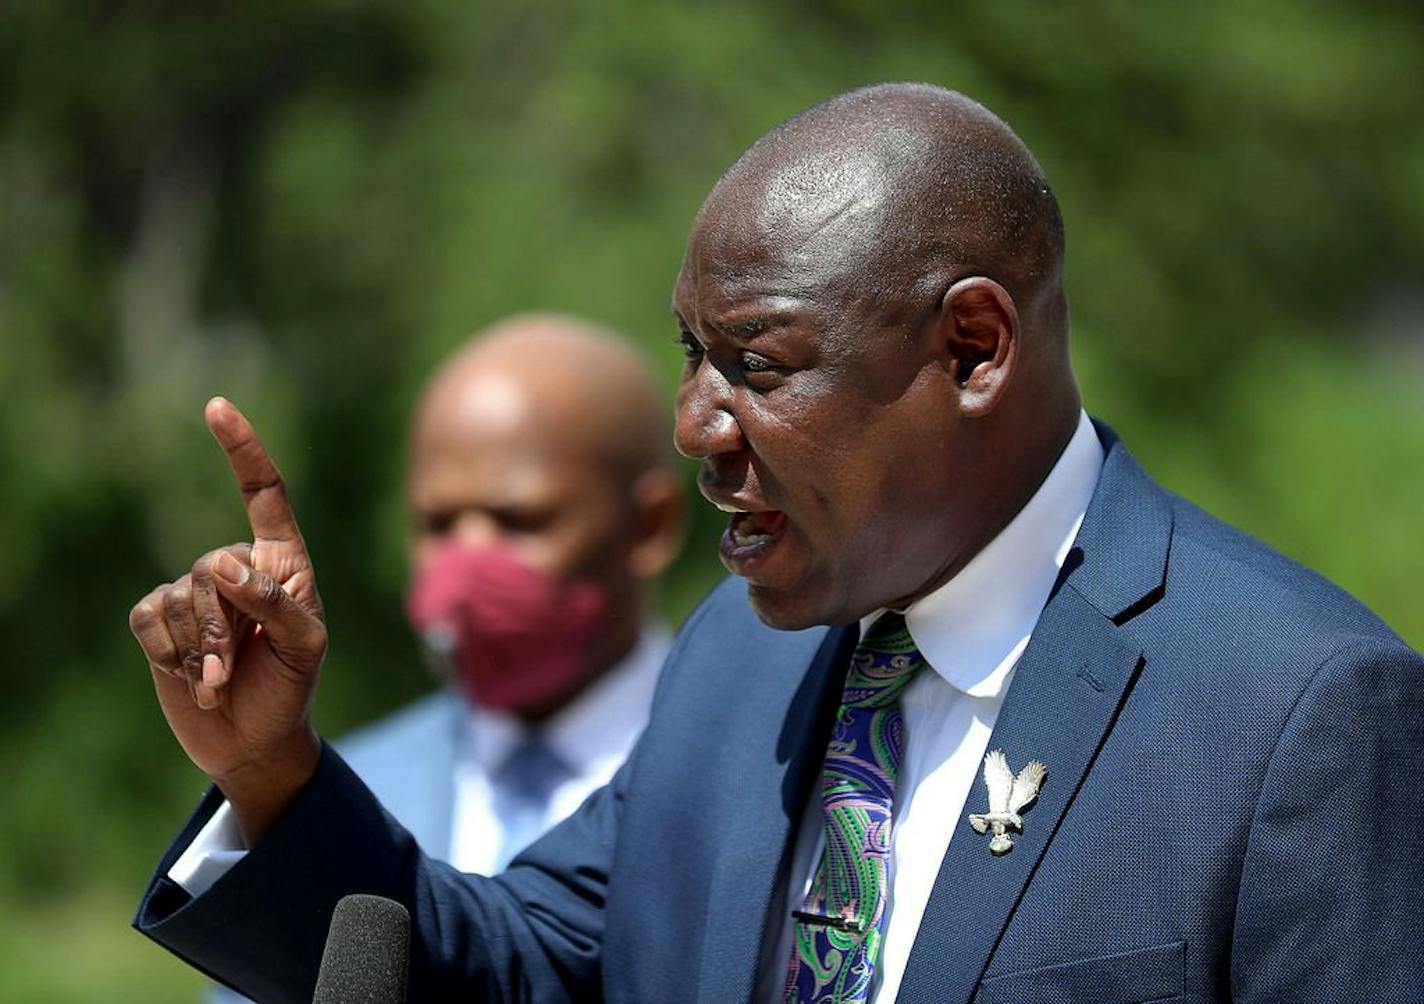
(849, 467)
(544, 552)
(592, 544)
(847, 453)
(885, 490)
(422, 549)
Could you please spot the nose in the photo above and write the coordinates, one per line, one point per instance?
(475, 527)
(705, 423)
(470, 527)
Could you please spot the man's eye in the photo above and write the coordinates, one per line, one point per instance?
(523, 520)
(753, 363)
(434, 524)
(691, 347)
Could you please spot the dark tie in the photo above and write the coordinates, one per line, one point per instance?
(840, 927)
(523, 786)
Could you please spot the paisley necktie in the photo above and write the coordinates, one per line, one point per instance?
(840, 927)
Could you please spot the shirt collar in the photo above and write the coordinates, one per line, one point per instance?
(973, 629)
(600, 725)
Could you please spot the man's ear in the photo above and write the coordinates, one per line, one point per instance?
(979, 328)
(659, 521)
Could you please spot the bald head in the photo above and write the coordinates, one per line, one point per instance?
(906, 187)
(568, 387)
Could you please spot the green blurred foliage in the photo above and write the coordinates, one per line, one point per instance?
(305, 205)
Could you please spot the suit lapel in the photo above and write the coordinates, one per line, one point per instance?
(1060, 705)
(786, 724)
(1066, 692)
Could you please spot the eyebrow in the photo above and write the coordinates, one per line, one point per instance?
(743, 331)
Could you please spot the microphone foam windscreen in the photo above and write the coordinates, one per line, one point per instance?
(367, 953)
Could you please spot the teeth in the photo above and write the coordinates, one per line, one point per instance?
(744, 538)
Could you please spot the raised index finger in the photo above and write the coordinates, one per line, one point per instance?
(264, 494)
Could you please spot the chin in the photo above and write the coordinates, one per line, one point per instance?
(787, 611)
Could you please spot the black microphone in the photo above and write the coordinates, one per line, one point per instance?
(367, 953)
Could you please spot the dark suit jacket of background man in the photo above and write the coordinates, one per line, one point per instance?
(1234, 810)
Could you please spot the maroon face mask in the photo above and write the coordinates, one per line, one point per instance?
(519, 636)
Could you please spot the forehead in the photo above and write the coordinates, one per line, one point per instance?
(798, 233)
(494, 437)
(814, 199)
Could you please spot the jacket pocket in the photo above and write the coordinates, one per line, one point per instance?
(1137, 977)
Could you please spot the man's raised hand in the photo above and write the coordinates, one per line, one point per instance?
(235, 645)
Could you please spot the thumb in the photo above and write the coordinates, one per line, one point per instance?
(296, 635)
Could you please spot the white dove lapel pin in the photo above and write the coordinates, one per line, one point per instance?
(1008, 797)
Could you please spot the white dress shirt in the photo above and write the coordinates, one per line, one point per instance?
(971, 631)
(592, 737)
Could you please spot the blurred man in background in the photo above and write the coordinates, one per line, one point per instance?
(542, 511)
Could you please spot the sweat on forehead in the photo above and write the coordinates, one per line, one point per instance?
(910, 184)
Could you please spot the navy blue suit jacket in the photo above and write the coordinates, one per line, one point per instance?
(407, 760)
(1233, 811)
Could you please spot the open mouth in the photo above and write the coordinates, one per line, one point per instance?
(750, 536)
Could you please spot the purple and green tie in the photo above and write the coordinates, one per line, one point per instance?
(840, 927)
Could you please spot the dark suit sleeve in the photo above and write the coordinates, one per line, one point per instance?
(532, 934)
(1329, 907)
